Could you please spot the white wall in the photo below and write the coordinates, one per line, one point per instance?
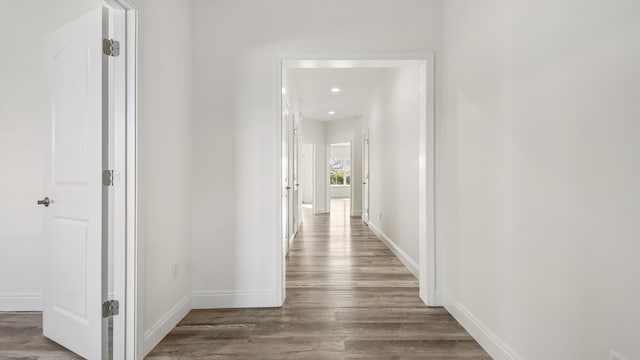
(342, 150)
(235, 121)
(165, 163)
(23, 25)
(539, 170)
(340, 191)
(392, 116)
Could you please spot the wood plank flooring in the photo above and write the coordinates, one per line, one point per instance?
(348, 297)
(21, 338)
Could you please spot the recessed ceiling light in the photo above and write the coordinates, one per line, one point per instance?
(332, 112)
(335, 90)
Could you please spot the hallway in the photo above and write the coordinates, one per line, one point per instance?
(348, 297)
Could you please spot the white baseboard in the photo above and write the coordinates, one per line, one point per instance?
(408, 262)
(439, 298)
(165, 324)
(20, 302)
(356, 213)
(490, 342)
(291, 240)
(234, 299)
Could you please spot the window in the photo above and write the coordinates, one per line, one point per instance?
(340, 171)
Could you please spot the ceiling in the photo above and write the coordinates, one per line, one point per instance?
(312, 89)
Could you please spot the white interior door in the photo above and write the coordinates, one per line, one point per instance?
(365, 178)
(296, 180)
(286, 188)
(75, 277)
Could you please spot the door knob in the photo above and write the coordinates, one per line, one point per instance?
(44, 202)
(288, 187)
(364, 183)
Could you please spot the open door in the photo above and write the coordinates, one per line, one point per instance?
(286, 187)
(296, 181)
(75, 230)
(365, 177)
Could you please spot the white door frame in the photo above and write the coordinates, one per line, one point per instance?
(286, 181)
(127, 252)
(328, 172)
(297, 200)
(352, 185)
(426, 163)
(311, 161)
(314, 200)
(365, 175)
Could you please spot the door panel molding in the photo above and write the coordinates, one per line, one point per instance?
(75, 278)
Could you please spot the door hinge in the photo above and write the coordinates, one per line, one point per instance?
(107, 178)
(110, 308)
(110, 47)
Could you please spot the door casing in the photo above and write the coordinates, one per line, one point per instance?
(328, 171)
(127, 252)
(430, 270)
(365, 177)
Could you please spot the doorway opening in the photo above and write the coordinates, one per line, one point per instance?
(333, 128)
(340, 178)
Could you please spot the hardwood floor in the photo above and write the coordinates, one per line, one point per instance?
(348, 297)
(21, 338)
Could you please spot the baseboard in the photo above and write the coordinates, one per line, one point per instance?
(356, 213)
(291, 240)
(20, 302)
(162, 327)
(439, 298)
(490, 342)
(408, 262)
(233, 299)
